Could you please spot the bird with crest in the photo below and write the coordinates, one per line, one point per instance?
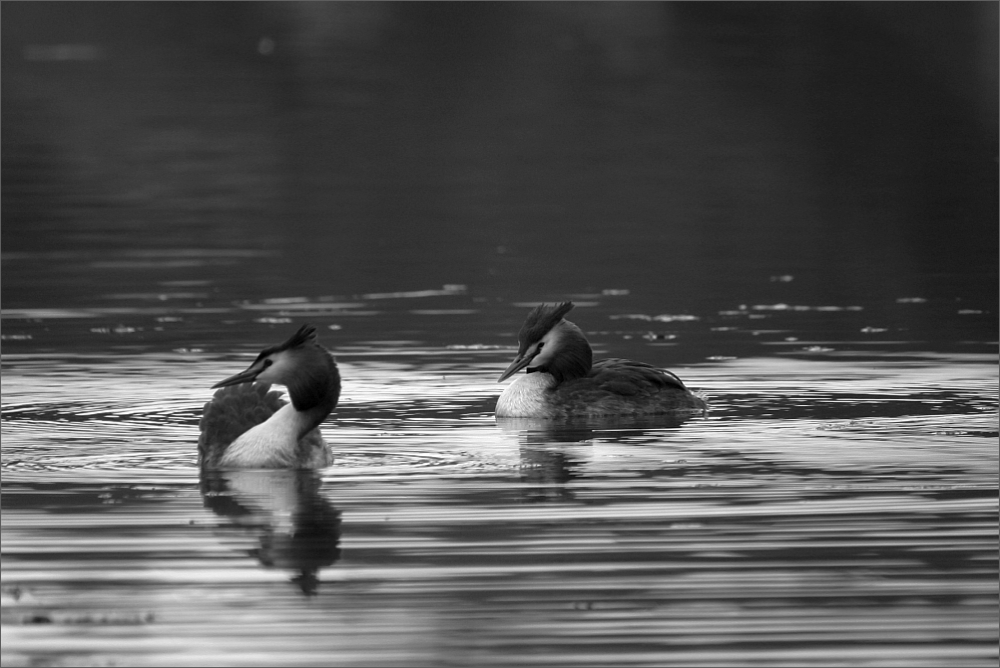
(249, 425)
(564, 381)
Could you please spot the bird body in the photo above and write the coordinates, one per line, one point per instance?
(248, 425)
(275, 443)
(562, 380)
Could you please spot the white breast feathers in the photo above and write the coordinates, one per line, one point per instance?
(271, 444)
(525, 397)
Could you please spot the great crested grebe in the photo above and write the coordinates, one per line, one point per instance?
(564, 381)
(247, 425)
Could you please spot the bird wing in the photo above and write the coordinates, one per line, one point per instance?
(232, 411)
(629, 378)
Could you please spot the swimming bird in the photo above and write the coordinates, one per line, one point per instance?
(248, 425)
(562, 380)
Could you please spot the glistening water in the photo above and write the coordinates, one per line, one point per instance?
(836, 505)
(779, 202)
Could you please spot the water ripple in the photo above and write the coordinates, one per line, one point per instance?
(822, 511)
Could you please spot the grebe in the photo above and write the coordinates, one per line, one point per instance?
(246, 425)
(564, 381)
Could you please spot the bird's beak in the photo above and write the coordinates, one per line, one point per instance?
(247, 376)
(519, 363)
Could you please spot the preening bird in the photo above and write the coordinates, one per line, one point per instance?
(248, 425)
(562, 380)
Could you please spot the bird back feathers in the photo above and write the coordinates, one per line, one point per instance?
(232, 411)
(625, 387)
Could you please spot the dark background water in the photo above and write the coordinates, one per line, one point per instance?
(687, 152)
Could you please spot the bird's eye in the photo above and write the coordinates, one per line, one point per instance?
(268, 362)
(539, 348)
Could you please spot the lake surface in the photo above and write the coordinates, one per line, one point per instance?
(787, 238)
(837, 505)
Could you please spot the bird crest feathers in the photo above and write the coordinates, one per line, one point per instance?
(541, 319)
(306, 334)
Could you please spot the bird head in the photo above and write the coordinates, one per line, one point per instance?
(279, 364)
(549, 343)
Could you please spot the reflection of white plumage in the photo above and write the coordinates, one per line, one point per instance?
(246, 425)
(564, 381)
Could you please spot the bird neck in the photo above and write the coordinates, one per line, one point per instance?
(314, 391)
(572, 358)
(274, 443)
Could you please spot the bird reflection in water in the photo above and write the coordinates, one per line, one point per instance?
(296, 527)
(546, 463)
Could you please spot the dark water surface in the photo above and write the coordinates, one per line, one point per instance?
(793, 208)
